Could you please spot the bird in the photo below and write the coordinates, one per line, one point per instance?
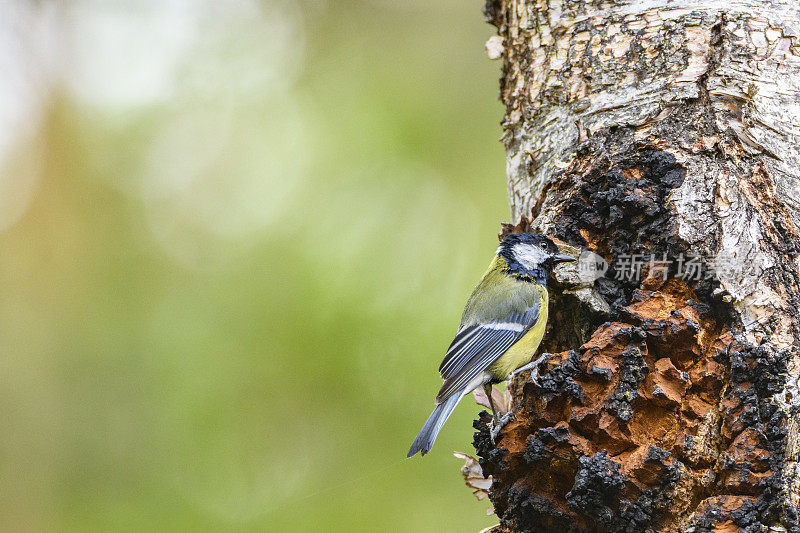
(502, 325)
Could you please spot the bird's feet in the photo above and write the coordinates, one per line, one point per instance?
(498, 423)
(533, 366)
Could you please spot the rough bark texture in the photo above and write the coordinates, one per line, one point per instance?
(656, 127)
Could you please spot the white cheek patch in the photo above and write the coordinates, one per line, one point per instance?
(530, 256)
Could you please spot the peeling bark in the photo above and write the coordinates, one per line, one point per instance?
(664, 129)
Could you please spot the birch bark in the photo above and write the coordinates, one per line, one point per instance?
(647, 130)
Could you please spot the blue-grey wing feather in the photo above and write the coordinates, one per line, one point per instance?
(477, 346)
(462, 338)
(462, 354)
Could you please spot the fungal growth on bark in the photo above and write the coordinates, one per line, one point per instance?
(664, 137)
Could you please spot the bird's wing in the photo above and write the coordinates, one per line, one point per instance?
(477, 346)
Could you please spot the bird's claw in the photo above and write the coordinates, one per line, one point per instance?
(498, 423)
(533, 366)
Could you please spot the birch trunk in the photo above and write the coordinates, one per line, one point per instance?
(665, 130)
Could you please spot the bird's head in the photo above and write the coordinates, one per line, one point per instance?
(531, 254)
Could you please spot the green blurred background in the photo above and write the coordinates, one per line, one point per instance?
(236, 239)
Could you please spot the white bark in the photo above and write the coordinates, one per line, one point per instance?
(750, 77)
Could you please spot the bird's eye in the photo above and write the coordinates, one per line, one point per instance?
(544, 245)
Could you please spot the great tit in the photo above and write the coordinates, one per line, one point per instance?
(501, 328)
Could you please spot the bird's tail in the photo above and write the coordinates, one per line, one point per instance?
(427, 435)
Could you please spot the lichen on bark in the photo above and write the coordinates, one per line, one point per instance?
(663, 129)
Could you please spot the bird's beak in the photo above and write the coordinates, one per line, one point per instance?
(562, 258)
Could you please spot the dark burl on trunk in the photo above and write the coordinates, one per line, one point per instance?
(663, 136)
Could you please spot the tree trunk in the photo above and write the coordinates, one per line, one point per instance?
(663, 135)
